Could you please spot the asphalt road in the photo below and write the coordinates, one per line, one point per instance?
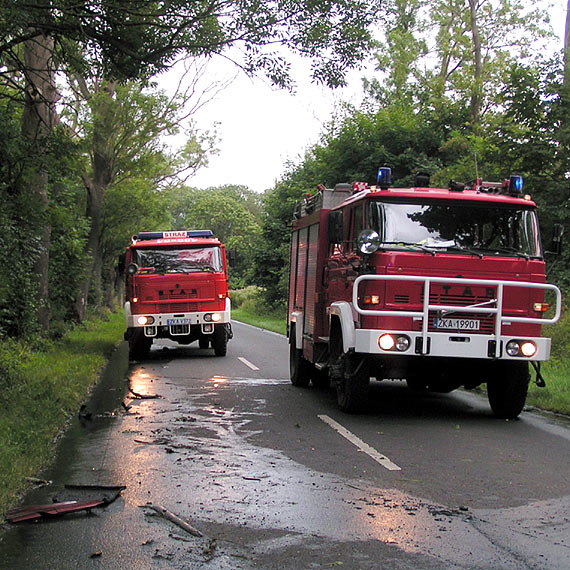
(274, 476)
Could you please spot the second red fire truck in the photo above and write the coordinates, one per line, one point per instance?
(176, 288)
(442, 287)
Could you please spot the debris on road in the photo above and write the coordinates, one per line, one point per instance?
(173, 518)
(144, 396)
(73, 499)
(35, 512)
(38, 482)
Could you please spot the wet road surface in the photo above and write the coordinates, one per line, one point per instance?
(276, 477)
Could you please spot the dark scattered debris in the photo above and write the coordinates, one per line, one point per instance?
(38, 482)
(144, 396)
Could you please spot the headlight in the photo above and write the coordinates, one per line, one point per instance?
(528, 349)
(525, 348)
(216, 317)
(386, 342)
(400, 343)
(142, 321)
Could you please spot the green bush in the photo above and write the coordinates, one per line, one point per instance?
(249, 299)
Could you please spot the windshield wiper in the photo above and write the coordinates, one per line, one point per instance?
(466, 250)
(512, 250)
(410, 244)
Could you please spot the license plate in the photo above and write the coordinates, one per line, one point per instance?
(456, 324)
(178, 321)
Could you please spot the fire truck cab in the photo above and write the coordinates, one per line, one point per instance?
(176, 287)
(442, 287)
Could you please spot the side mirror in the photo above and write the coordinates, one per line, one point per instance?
(557, 233)
(368, 241)
(132, 268)
(231, 257)
(336, 227)
(121, 264)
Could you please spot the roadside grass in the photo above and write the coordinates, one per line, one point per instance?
(271, 322)
(40, 391)
(555, 396)
(248, 307)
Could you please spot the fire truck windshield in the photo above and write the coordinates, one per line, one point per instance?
(178, 259)
(457, 227)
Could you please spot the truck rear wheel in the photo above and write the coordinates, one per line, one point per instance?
(507, 389)
(299, 367)
(353, 383)
(220, 340)
(139, 344)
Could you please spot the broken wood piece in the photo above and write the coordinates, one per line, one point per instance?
(38, 482)
(96, 487)
(174, 519)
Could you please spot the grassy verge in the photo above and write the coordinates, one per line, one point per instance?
(270, 322)
(249, 307)
(555, 397)
(39, 391)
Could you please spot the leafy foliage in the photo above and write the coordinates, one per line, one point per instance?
(231, 212)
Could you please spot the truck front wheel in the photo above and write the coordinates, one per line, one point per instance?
(507, 389)
(220, 340)
(352, 383)
(139, 344)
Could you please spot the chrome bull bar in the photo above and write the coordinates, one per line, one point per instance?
(473, 309)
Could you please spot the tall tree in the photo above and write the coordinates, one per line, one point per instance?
(38, 120)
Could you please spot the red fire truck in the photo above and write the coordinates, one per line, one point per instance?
(176, 288)
(442, 287)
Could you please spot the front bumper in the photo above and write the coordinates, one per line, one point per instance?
(454, 345)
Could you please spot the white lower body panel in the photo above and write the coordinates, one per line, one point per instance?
(452, 345)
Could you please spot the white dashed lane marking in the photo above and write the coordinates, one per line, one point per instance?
(248, 363)
(369, 450)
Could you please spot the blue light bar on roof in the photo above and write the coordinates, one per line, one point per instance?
(515, 185)
(384, 178)
(173, 234)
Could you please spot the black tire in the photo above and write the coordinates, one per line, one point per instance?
(507, 389)
(220, 340)
(320, 378)
(353, 383)
(204, 342)
(139, 345)
(299, 367)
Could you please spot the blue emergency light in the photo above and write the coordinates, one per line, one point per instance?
(515, 185)
(384, 178)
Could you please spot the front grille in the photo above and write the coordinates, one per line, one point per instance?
(456, 300)
(486, 322)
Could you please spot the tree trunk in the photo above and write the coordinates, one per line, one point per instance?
(96, 184)
(38, 121)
